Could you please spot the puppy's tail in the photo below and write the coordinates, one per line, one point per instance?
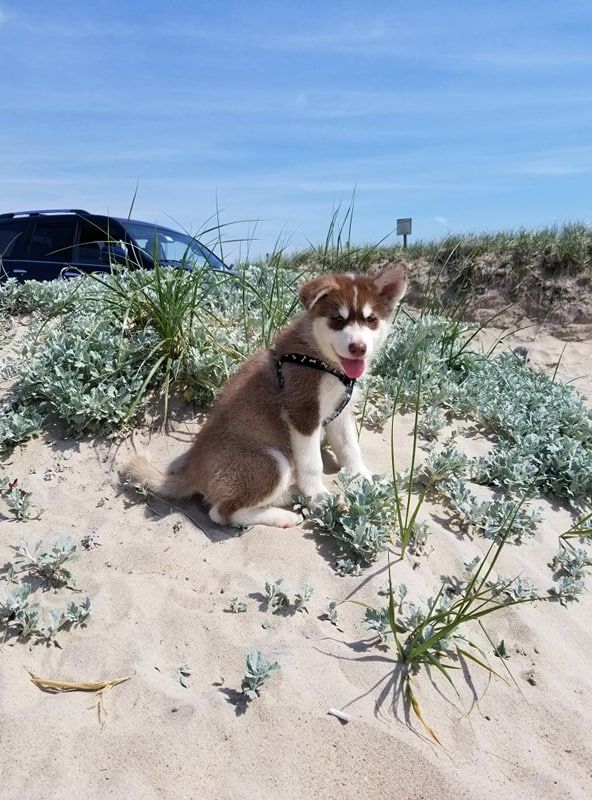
(175, 484)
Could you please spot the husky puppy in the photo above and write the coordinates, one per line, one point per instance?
(263, 437)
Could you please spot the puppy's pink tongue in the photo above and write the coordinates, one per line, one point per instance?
(353, 367)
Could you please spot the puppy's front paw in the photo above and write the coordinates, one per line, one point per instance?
(360, 470)
(364, 472)
(314, 490)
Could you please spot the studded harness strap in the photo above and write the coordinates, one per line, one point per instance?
(316, 363)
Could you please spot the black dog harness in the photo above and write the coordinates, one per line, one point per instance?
(315, 363)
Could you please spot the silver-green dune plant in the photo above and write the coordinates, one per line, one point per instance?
(24, 619)
(302, 596)
(84, 373)
(359, 520)
(277, 594)
(17, 424)
(376, 620)
(74, 615)
(18, 501)
(45, 567)
(518, 588)
(542, 429)
(94, 369)
(330, 614)
(538, 449)
(51, 564)
(417, 369)
(431, 423)
(18, 616)
(42, 299)
(237, 606)
(258, 670)
(278, 599)
(488, 518)
(126, 338)
(570, 566)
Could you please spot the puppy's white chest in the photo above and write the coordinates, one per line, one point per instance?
(331, 392)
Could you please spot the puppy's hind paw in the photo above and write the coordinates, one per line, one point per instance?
(288, 519)
(272, 516)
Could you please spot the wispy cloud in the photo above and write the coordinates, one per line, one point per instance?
(543, 57)
(557, 162)
(285, 108)
(552, 169)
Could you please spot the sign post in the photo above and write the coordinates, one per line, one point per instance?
(404, 229)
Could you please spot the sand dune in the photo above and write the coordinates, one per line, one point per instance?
(160, 579)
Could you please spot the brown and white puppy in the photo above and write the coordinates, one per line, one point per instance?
(263, 436)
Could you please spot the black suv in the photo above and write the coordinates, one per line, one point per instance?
(42, 245)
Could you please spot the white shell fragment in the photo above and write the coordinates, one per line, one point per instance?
(335, 712)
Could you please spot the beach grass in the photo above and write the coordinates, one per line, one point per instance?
(99, 350)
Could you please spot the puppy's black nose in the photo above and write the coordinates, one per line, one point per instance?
(357, 349)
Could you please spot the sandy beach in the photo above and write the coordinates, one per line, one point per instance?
(161, 579)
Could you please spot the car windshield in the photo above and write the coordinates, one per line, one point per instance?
(171, 247)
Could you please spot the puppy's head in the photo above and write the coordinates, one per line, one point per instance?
(351, 315)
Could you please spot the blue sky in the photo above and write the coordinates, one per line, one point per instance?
(466, 116)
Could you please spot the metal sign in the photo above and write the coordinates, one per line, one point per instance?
(404, 226)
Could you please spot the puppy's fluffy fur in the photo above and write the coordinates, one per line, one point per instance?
(260, 440)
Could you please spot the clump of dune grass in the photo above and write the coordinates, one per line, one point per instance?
(437, 636)
(565, 248)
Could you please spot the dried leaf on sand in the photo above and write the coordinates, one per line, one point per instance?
(99, 687)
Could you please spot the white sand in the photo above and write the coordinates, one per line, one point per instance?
(159, 585)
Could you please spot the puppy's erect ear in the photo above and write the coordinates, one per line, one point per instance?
(312, 291)
(391, 284)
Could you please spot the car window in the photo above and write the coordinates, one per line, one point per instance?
(170, 246)
(52, 240)
(13, 238)
(90, 241)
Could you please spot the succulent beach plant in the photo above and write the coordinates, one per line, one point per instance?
(47, 562)
(358, 520)
(258, 670)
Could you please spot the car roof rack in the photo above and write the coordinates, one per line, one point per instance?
(42, 211)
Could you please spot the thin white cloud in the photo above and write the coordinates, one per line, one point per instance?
(555, 170)
(560, 162)
(542, 58)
